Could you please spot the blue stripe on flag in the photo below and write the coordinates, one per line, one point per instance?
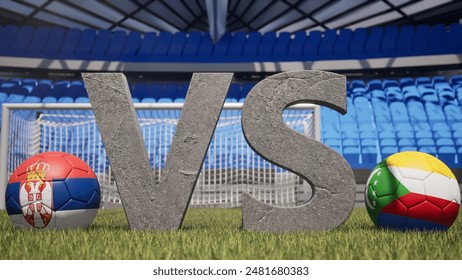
(406, 223)
(12, 199)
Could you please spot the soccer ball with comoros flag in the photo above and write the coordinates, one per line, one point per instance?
(412, 191)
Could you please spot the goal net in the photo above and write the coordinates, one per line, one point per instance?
(230, 166)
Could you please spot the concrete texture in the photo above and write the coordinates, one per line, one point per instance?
(328, 173)
(146, 205)
(118, 124)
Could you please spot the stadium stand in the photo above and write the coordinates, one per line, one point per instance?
(384, 116)
(92, 44)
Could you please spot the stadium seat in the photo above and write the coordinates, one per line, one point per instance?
(237, 45)
(369, 157)
(326, 45)
(454, 38)
(38, 42)
(131, 46)
(310, 50)
(102, 42)
(8, 36)
(341, 45)
(265, 50)
(205, 48)
(296, 46)
(116, 45)
(434, 112)
(54, 43)
(388, 151)
(448, 155)
(390, 36)
(250, 50)
(281, 46)
(86, 44)
(162, 45)
(405, 40)
(220, 51)
(358, 43)
(411, 93)
(70, 43)
(374, 42)
(352, 155)
(176, 47)
(421, 41)
(191, 46)
(438, 40)
(146, 46)
(23, 40)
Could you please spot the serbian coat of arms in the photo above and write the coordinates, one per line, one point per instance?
(36, 196)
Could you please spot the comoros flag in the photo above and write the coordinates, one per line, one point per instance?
(412, 190)
(55, 190)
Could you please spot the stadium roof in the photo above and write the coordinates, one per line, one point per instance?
(217, 16)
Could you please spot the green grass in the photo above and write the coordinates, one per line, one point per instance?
(217, 234)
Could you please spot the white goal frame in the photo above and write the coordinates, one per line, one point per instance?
(8, 107)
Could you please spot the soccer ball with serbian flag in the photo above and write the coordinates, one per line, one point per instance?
(412, 191)
(52, 190)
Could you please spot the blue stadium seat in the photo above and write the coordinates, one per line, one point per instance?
(265, 50)
(390, 37)
(453, 114)
(398, 112)
(422, 142)
(406, 81)
(416, 112)
(341, 45)
(205, 48)
(421, 42)
(310, 51)
(23, 40)
(388, 142)
(176, 47)
(191, 46)
(407, 142)
(54, 43)
(388, 151)
(405, 39)
(181, 93)
(281, 46)
(38, 42)
(434, 112)
(8, 35)
(438, 40)
(102, 42)
(326, 46)
(297, 45)
(250, 50)
(69, 43)
(454, 38)
(369, 157)
(374, 85)
(374, 42)
(86, 44)
(387, 134)
(237, 45)
(146, 46)
(411, 93)
(429, 150)
(234, 93)
(220, 51)
(131, 46)
(139, 91)
(448, 155)
(352, 155)
(161, 48)
(358, 43)
(116, 45)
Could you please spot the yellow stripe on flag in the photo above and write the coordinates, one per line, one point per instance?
(421, 161)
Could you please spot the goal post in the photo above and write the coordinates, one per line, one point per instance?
(230, 166)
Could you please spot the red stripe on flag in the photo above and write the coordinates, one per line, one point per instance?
(432, 209)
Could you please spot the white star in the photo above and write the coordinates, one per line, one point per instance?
(380, 172)
(375, 182)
